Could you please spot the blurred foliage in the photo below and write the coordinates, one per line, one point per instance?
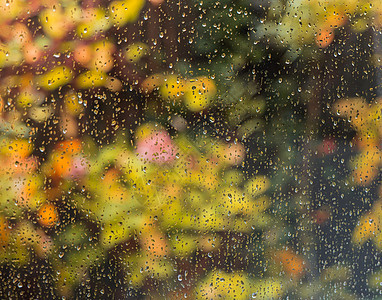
(164, 149)
(366, 119)
(299, 24)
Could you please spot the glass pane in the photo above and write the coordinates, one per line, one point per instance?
(200, 149)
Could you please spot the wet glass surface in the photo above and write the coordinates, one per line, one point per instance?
(196, 149)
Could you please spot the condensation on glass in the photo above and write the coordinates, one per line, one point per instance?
(190, 149)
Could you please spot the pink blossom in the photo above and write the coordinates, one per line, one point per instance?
(157, 147)
(79, 167)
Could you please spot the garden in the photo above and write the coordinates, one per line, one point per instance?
(199, 149)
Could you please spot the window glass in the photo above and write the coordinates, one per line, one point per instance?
(199, 149)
